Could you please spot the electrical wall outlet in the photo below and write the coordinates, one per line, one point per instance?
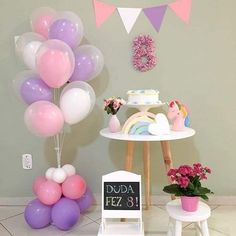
(27, 161)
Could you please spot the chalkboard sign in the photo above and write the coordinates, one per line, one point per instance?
(121, 196)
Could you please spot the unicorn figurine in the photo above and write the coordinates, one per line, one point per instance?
(178, 114)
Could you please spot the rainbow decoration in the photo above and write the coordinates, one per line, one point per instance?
(141, 127)
(138, 123)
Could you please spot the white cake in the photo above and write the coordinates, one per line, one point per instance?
(143, 96)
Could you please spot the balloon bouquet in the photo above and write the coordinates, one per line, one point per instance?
(56, 91)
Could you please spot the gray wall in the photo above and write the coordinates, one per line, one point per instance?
(196, 64)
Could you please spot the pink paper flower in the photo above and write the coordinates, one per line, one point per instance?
(185, 170)
(106, 103)
(183, 182)
(187, 181)
(113, 104)
(203, 176)
(208, 170)
(144, 57)
(116, 104)
(172, 172)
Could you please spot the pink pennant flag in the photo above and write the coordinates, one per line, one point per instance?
(182, 9)
(102, 11)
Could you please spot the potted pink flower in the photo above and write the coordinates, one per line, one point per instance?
(112, 106)
(187, 184)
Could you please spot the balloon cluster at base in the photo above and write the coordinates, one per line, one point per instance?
(55, 61)
(62, 196)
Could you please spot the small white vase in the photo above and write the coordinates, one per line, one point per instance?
(114, 124)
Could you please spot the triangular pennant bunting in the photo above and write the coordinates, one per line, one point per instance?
(182, 9)
(129, 16)
(102, 12)
(155, 15)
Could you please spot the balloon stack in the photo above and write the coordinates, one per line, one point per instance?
(53, 57)
(55, 88)
(62, 196)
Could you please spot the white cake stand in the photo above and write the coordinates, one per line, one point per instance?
(145, 107)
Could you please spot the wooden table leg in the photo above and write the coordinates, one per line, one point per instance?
(129, 160)
(165, 147)
(146, 164)
(129, 156)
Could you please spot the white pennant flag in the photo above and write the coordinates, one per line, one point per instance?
(129, 16)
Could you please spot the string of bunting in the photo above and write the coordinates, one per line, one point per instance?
(154, 14)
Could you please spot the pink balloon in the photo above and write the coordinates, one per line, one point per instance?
(55, 63)
(44, 119)
(74, 187)
(41, 20)
(54, 68)
(49, 192)
(37, 182)
(41, 25)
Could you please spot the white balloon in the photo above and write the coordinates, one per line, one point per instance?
(69, 169)
(49, 173)
(75, 104)
(59, 175)
(29, 54)
(26, 38)
(84, 86)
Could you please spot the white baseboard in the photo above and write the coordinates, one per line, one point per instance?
(156, 200)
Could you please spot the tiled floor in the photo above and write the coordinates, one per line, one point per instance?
(221, 223)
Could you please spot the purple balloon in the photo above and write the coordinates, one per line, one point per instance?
(65, 213)
(37, 214)
(84, 67)
(86, 200)
(64, 30)
(34, 89)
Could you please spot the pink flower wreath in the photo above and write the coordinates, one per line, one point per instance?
(144, 57)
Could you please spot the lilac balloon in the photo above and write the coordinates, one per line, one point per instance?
(65, 213)
(34, 89)
(37, 214)
(64, 30)
(89, 62)
(84, 67)
(85, 201)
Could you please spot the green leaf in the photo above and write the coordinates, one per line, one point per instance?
(204, 197)
(204, 191)
(201, 191)
(108, 110)
(173, 189)
(191, 186)
(196, 182)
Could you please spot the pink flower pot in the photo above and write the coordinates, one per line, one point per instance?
(189, 203)
(114, 124)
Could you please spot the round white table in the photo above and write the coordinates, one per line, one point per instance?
(165, 146)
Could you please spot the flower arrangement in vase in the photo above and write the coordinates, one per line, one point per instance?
(112, 106)
(187, 184)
